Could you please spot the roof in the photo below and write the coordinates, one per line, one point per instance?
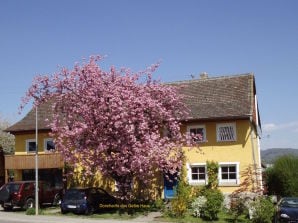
(28, 123)
(226, 97)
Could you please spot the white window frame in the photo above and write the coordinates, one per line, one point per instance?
(116, 188)
(27, 145)
(45, 144)
(204, 139)
(229, 182)
(189, 174)
(230, 124)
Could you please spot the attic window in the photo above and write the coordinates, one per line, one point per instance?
(49, 145)
(30, 146)
(198, 132)
(226, 132)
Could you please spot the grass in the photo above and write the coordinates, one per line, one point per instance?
(108, 214)
(223, 217)
(121, 214)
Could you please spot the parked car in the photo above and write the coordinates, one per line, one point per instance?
(85, 200)
(22, 194)
(287, 210)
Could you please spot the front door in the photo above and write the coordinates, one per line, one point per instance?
(170, 184)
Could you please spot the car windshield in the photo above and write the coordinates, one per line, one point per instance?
(290, 202)
(13, 187)
(74, 195)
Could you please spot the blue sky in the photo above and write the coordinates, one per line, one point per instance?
(188, 37)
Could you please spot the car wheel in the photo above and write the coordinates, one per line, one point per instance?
(57, 200)
(30, 203)
(9, 208)
(63, 211)
(89, 210)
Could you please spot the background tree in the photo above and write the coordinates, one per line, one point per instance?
(111, 121)
(6, 139)
(282, 178)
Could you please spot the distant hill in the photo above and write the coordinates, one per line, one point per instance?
(270, 155)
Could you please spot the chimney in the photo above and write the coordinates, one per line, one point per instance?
(203, 75)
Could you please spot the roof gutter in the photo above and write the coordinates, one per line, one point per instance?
(242, 117)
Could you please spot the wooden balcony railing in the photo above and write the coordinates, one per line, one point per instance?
(45, 160)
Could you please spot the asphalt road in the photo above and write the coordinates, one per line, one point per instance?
(21, 217)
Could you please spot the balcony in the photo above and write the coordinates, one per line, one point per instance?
(27, 161)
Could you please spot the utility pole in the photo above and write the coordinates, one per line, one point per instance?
(36, 161)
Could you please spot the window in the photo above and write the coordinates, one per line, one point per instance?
(197, 173)
(226, 132)
(229, 173)
(198, 131)
(117, 188)
(30, 145)
(49, 145)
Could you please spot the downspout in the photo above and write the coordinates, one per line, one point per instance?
(253, 147)
(258, 142)
(258, 170)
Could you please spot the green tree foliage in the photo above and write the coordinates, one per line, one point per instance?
(282, 178)
(6, 139)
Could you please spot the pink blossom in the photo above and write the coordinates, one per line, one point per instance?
(111, 121)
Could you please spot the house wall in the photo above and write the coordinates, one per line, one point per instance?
(243, 151)
(23, 160)
(20, 142)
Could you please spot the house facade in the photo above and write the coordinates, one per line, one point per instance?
(21, 165)
(223, 110)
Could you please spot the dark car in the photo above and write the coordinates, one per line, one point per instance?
(85, 200)
(22, 194)
(287, 210)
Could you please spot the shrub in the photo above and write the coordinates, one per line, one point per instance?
(262, 210)
(158, 204)
(197, 205)
(213, 205)
(237, 207)
(181, 201)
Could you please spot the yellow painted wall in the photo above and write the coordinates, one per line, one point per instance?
(20, 142)
(239, 151)
(242, 150)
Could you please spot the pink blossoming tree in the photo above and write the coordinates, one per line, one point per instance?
(113, 121)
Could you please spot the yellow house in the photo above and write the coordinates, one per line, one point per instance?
(21, 165)
(224, 110)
